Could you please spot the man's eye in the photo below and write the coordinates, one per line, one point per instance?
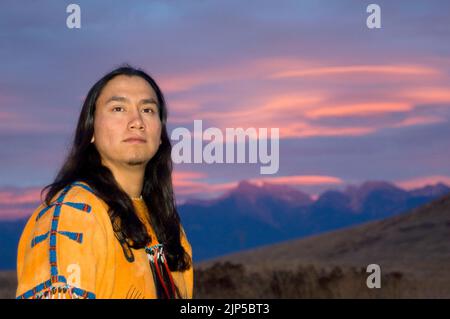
(149, 110)
(117, 109)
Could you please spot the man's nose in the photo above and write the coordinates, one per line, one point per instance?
(136, 122)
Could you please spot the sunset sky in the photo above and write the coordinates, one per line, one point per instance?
(351, 103)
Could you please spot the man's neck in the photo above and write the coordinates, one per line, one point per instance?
(130, 179)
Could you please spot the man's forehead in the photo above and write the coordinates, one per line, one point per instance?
(127, 88)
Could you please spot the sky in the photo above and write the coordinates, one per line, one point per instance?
(351, 103)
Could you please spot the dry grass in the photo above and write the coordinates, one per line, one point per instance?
(412, 250)
(8, 284)
(230, 280)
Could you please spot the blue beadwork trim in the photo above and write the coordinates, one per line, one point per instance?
(86, 187)
(78, 237)
(37, 291)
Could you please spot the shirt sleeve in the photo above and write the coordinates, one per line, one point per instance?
(62, 252)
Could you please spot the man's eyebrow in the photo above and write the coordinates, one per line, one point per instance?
(124, 99)
(148, 101)
(117, 99)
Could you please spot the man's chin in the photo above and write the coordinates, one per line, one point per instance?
(136, 162)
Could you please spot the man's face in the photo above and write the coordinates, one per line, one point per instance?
(127, 128)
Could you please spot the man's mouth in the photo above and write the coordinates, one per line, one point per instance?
(135, 140)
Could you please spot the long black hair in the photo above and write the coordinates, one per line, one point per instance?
(83, 163)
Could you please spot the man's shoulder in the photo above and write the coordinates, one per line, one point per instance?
(74, 210)
(75, 197)
(79, 192)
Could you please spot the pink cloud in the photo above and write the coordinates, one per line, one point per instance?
(418, 182)
(191, 183)
(357, 69)
(420, 120)
(299, 180)
(181, 177)
(19, 196)
(18, 203)
(426, 95)
(303, 131)
(363, 109)
(280, 101)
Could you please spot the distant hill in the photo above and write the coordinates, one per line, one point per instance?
(415, 243)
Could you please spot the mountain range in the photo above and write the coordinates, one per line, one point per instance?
(253, 215)
(250, 215)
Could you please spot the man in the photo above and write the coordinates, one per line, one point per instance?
(109, 227)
